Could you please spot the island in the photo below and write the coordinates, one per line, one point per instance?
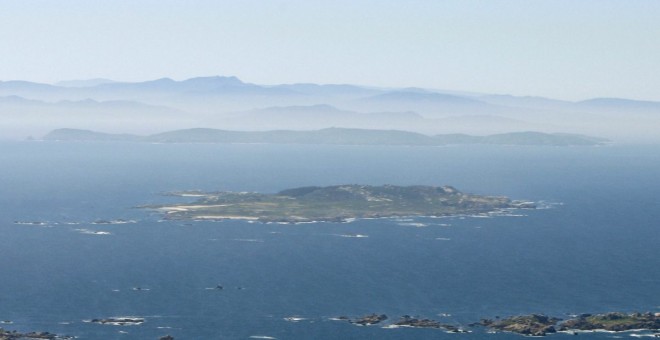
(329, 136)
(339, 203)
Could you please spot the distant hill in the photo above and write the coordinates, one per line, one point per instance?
(423, 96)
(329, 89)
(620, 104)
(525, 101)
(538, 138)
(308, 117)
(87, 135)
(334, 136)
(216, 85)
(18, 100)
(429, 104)
(84, 83)
(323, 136)
(15, 87)
(85, 104)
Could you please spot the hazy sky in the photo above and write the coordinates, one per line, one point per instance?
(564, 49)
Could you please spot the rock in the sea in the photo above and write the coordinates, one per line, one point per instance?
(166, 337)
(615, 322)
(13, 335)
(119, 321)
(532, 325)
(408, 321)
(369, 319)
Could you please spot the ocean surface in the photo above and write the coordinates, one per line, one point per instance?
(594, 248)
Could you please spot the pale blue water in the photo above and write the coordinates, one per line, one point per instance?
(596, 252)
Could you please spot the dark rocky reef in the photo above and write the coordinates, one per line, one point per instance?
(532, 325)
(616, 322)
(408, 321)
(119, 321)
(540, 325)
(368, 320)
(404, 321)
(14, 335)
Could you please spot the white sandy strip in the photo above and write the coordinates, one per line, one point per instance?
(223, 217)
(191, 207)
(649, 335)
(579, 331)
(170, 210)
(414, 224)
(92, 232)
(352, 235)
(294, 319)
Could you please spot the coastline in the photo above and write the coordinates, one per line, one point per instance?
(338, 204)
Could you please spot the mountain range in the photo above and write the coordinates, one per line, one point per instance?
(28, 108)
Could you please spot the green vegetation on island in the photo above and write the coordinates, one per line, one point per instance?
(338, 203)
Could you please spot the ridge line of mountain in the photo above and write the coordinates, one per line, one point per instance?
(210, 83)
(329, 136)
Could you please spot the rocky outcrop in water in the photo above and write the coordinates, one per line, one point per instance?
(615, 322)
(408, 321)
(13, 335)
(119, 321)
(539, 325)
(368, 320)
(533, 325)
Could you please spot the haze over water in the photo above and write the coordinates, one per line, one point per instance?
(105, 106)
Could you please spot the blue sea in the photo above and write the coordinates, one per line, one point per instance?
(595, 247)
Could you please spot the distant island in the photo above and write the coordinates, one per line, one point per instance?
(330, 136)
(338, 203)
